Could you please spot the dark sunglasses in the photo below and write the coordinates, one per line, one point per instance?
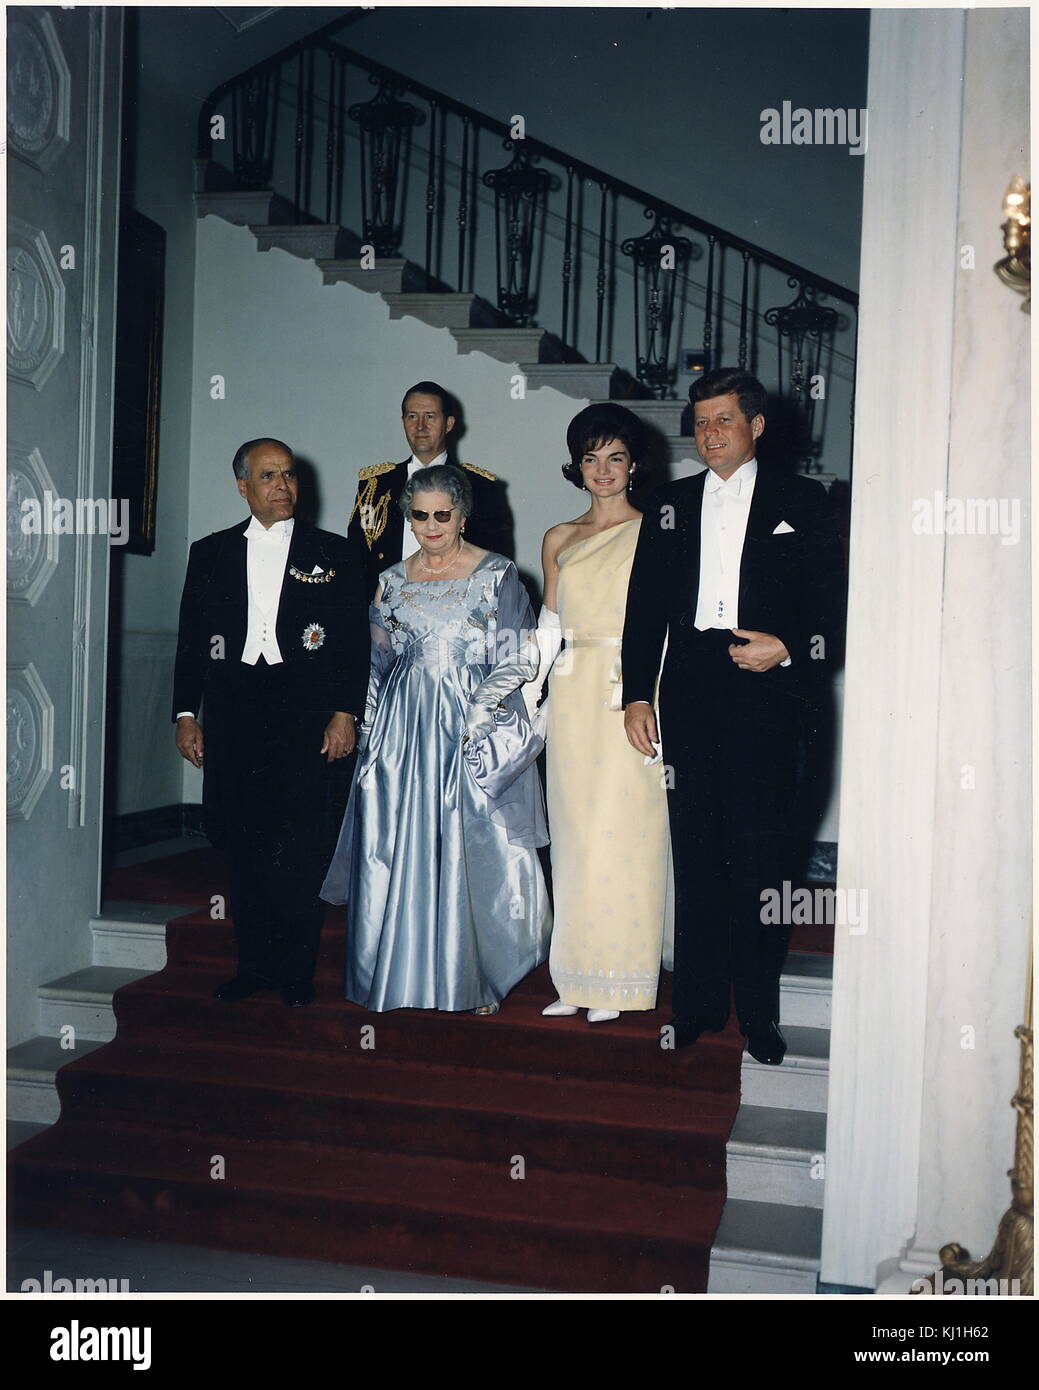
(442, 517)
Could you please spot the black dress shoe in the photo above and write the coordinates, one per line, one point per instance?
(687, 1030)
(765, 1042)
(240, 987)
(297, 994)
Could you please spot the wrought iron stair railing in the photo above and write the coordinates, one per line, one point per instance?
(547, 238)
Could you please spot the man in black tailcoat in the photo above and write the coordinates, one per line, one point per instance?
(741, 569)
(377, 525)
(272, 654)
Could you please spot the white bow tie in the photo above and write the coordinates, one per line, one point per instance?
(276, 534)
(730, 487)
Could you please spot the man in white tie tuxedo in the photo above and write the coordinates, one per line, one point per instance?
(273, 653)
(742, 570)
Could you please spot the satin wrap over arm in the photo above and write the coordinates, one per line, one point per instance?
(515, 656)
(520, 808)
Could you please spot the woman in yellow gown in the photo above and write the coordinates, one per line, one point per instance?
(607, 806)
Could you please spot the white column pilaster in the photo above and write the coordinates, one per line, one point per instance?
(935, 791)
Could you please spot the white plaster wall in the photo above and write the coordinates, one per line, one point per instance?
(148, 765)
(148, 768)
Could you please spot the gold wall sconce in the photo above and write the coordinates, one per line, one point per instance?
(1015, 269)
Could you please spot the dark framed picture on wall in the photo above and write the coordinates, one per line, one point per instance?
(138, 374)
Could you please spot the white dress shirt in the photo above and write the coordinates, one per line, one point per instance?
(267, 554)
(266, 557)
(723, 529)
(410, 543)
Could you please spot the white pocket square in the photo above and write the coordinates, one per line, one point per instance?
(783, 529)
(318, 570)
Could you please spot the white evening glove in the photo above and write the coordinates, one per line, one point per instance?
(549, 637)
(507, 676)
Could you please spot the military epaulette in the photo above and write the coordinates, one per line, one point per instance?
(374, 470)
(472, 468)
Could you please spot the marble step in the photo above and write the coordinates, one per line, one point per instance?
(443, 310)
(777, 1156)
(314, 241)
(31, 1068)
(766, 1248)
(512, 345)
(244, 208)
(806, 988)
(582, 380)
(388, 275)
(133, 934)
(83, 1000)
(800, 1083)
(664, 416)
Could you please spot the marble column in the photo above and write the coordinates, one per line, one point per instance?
(935, 809)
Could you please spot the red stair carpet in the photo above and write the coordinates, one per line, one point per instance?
(511, 1149)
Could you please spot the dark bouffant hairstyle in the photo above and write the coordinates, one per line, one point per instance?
(595, 426)
(748, 389)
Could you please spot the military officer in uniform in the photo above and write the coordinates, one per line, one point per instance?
(377, 523)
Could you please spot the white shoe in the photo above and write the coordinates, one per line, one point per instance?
(559, 1010)
(602, 1015)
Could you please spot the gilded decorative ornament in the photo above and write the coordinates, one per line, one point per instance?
(1009, 1264)
(311, 578)
(374, 511)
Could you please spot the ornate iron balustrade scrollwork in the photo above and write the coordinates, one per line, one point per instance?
(658, 257)
(520, 195)
(254, 105)
(404, 170)
(803, 328)
(385, 123)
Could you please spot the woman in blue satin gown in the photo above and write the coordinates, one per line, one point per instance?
(446, 903)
